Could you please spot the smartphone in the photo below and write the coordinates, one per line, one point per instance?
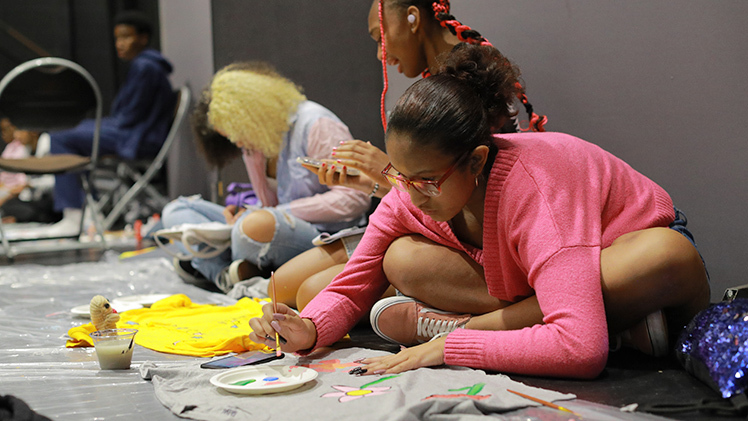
(316, 163)
(245, 358)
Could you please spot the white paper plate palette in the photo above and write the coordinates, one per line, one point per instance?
(263, 379)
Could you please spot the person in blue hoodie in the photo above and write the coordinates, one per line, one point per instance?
(138, 123)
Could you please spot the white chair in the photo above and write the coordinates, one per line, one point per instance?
(47, 94)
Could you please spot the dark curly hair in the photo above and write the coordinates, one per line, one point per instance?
(458, 108)
(217, 150)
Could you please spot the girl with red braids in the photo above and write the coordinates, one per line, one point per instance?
(571, 239)
(412, 35)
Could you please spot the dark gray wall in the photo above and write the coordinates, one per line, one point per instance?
(660, 83)
(323, 46)
(190, 49)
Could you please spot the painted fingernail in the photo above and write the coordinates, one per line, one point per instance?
(332, 167)
(276, 326)
(334, 148)
(358, 370)
(333, 153)
(279, 316)
(324, 165)
(345, 168)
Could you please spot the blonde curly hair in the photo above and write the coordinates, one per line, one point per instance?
(251, 104)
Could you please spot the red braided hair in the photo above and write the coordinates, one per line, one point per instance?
(465, 33)
(384, 67)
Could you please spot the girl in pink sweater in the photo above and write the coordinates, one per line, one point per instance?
(570, 240)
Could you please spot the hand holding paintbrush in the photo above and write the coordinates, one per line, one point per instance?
(282, 325)
(278, 351)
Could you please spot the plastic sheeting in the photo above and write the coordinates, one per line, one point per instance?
(66, 383)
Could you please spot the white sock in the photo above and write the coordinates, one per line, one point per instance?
(70, 223)
(72, 215)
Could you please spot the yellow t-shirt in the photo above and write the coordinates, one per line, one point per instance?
(176, 325)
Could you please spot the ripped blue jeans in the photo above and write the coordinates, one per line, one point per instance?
(292, 235)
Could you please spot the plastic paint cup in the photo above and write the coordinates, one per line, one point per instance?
(114, 348)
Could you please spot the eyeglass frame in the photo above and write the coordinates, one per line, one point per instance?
(409, 183)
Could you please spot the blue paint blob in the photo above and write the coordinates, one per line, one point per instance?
(270, 379)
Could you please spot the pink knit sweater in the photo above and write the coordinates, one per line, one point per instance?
(553, 202)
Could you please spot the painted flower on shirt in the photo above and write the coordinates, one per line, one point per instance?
(350, 393)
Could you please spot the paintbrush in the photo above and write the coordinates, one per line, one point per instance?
(275, 310)
(542, 402)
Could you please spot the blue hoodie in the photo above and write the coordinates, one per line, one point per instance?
(143, 109)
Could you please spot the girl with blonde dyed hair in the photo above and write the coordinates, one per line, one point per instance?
(252, 105)
(251, 110)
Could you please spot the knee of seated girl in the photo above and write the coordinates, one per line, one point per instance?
(259, 226)
(399, 261)
(172, 208)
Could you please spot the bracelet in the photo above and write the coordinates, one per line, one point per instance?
(374, 190)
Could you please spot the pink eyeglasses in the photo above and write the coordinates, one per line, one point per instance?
(426, 187)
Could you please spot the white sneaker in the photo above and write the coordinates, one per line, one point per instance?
(69, 226)
(232, 274)
(407, 321)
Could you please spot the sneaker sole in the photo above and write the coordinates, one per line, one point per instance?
(379, 307)
(234, 271)
(655, 322)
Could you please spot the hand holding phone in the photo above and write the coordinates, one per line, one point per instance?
(316, 163)
(245, 358)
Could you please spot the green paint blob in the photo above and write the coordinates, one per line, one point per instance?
(243, 382)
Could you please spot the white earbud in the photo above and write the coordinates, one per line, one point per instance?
(411, 18)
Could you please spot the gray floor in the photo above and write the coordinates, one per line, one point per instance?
(629, 377)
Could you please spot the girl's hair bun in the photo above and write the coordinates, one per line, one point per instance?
(488, 73)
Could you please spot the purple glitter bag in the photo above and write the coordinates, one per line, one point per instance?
(714, 347)
(240, 194)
